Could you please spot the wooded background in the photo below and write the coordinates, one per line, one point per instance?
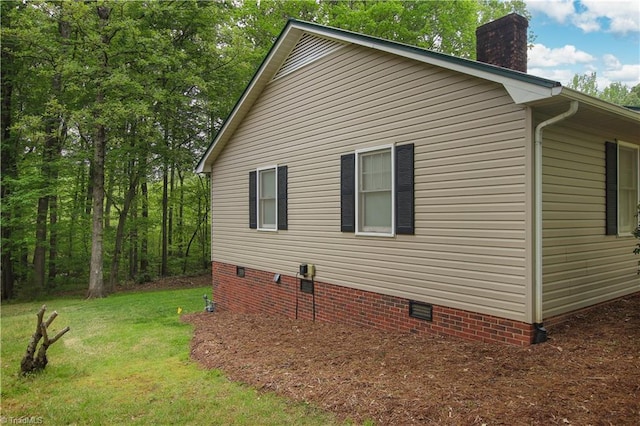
(108, 105)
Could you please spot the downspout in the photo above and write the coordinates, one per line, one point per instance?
(540, 334)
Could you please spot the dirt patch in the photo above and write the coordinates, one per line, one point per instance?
(587, 373)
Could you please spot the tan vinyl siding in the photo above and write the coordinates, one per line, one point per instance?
(469, 250)
(581, 265)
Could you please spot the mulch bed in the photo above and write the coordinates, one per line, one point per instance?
(587, 373)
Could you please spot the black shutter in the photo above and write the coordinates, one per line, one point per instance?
(282, 197)
(611, 187)
(404, 190)
(348, 193)
(253, 206)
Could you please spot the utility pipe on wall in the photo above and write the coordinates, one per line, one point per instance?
(573, 108)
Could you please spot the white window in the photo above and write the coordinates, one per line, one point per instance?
(375, 212)
(627, 188)
(267, 198)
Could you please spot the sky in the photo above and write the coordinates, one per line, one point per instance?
(585, 36)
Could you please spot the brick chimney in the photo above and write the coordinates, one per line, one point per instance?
(503, 42)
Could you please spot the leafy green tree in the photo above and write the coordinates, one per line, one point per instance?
(95, 67)
(442, 26)
(621, 94)
(633, 98)
(585, 83)
(33, 130)
(108, 105)
(615, 92)
(9, 148)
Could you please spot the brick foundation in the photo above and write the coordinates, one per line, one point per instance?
(257, 293)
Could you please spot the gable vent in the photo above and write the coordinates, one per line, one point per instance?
(308, 49)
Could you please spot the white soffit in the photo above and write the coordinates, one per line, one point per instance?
(524, 93)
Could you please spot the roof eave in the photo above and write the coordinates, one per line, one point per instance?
(523, 88)
(263, 75)
(600, 104)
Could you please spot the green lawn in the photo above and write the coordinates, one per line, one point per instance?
(126, 361)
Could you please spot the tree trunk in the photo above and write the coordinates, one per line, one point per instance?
(53, 239)
(77, 209)
(193, 237)
(39, 253)
(41, 239)
(172, 169)
(144, 241)
(54, 130)
(180, 236)
(64, 29)
(50, 155)
(133, 245)
(165, 202)
(89, 193)
(115, 260)
(8, 151)
(206, 230)
(32, 362)
(108, 202)
(96, 276)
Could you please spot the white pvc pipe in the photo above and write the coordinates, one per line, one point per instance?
(573, 108)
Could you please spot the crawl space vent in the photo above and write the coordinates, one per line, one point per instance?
(421, 310)
(306, 286)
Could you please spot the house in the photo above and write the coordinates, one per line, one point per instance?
(363, 181)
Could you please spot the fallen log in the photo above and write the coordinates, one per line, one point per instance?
(35, 361)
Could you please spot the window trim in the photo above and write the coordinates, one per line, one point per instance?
(358, 153)
(637, 149)
(259, 222)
